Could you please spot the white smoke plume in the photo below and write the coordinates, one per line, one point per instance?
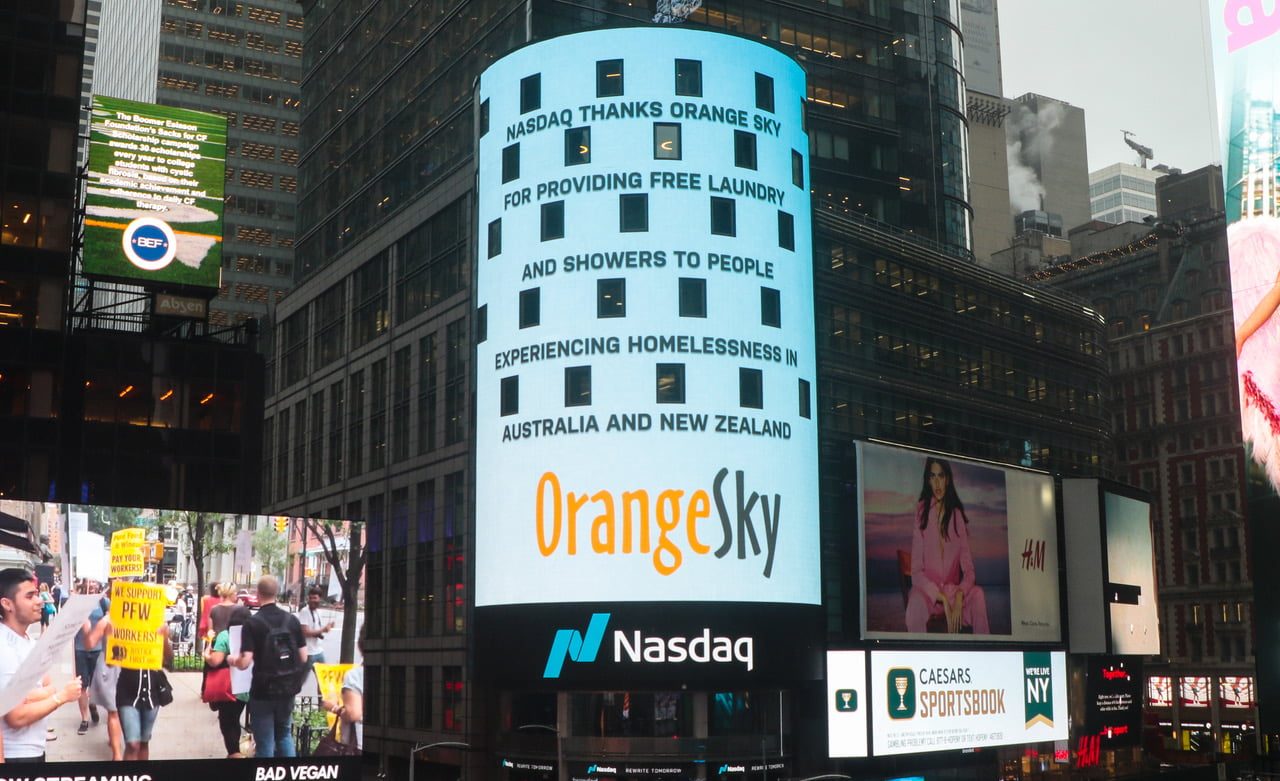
(1030, 137)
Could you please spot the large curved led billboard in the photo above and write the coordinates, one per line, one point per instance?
(645, 427)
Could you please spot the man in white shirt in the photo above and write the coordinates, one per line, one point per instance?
(24, 726)
(314, 627)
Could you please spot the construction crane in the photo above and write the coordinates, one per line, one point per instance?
(1144, 152)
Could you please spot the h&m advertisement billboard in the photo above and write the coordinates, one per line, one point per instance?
(154, 198)
(646, 449)
(956, 550)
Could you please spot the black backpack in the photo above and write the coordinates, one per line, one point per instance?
(276, 663)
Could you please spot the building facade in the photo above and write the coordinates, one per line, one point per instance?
(243, 62)
(1122, 193)
(1048, 158)
(1175, 412)
(370, 409)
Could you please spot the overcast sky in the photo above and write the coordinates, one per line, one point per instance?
(1138, 65)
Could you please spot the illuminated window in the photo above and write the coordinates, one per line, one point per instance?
(689, 78)
(633, 213)
(804, 399)
(666, 140)
(577, 386)
(531, 93)
(553, 220)
(510, 401)
(786, 231)
(770, 307)
(609, 78)
(495, 237)
(693, 297)
(577, 146)
(530, 307)
(670, 383)
(724, 220)
(764, 92)
(751, 388)
(611, 298)
(797, 168)
(744, 149)
(510, 163)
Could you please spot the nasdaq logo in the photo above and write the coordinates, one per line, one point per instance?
(572, 645)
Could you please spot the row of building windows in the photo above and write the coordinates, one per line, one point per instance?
(611, 301)
(633, 217)
(609, 84)
(669, 388)
(667, 145)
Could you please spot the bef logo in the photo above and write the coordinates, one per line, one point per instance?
(149, 243)
(1037, 678)
(570, 644)
(901, 682)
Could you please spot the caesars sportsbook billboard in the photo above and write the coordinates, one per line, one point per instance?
(154, 197)
(956, 550)
(646, 452)
(1246, 51)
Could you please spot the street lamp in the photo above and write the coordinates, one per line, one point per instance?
(560, 769)
(426, 746)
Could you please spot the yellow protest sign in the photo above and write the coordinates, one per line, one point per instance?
(127, 561)
(131, 536)
(329, 677)
(137, 615)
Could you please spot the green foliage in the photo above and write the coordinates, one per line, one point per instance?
(269, 549)
(106, 520)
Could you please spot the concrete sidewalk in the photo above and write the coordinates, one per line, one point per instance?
(187, 729)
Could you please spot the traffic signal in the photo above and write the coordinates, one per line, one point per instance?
(157, 551)
(282, 523)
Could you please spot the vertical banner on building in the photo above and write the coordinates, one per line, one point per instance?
(1246, 50)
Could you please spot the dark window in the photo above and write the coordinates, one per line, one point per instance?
(633, 213)
(484, 116)
(577, 145)
(530, 307)
(764, 92)
(666, 140)
(553, 220)
(744, 149)
(530, 93)
(770, 307)
(510, 395)
(689, 78)
(577, 386)
(495, 237)
(693, 297)
(611, 298)
(482, 323)
(804, 399)
(786, 231)
(510, 163)
(724, 221)
(608, 78)
(797, 168)
(670, 379)
(751, 388)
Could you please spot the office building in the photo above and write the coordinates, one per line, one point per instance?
(1175, 413)
(980, 23)
(1122, 193)
(242, 61)
(1048, 158)
(989, 175)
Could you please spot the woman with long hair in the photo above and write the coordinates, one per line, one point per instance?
(943, 582)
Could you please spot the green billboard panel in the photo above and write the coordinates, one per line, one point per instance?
(153, 207)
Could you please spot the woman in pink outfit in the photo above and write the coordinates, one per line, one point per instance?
(942, 577)
(1254, 245)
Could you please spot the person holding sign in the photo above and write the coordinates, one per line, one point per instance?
(23, 728)
(273, 643)
(137, 642)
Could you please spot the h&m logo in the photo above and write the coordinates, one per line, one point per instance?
(573, 645)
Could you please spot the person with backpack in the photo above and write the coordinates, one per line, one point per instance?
(272, 642)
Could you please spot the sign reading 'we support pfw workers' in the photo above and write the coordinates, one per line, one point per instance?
(137, 613)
